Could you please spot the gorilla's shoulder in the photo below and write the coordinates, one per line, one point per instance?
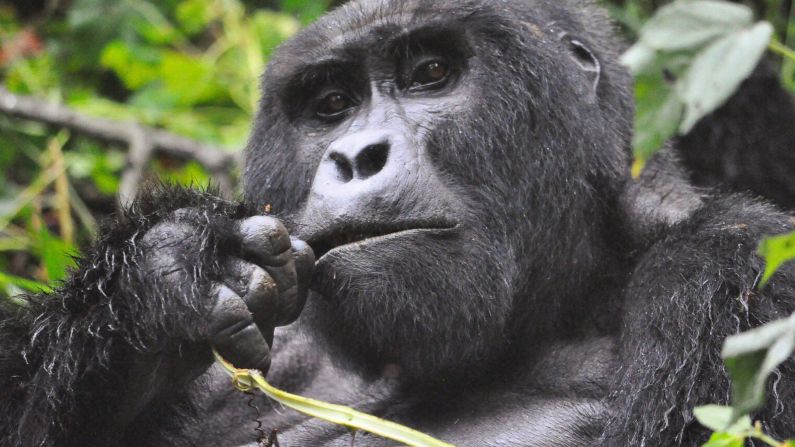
(694, 280)
(663, 207)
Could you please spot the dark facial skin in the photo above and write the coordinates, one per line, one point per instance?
(398, 163)
(382, 208)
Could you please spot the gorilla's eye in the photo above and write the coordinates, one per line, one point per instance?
(430, 74)
(334, 104)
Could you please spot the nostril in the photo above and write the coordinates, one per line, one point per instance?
(372, 160)
(344, 168)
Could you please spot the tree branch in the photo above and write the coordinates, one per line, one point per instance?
(140, 140)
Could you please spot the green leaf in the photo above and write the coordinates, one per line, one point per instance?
(136, 66)
(752, 356)
(658, 109)
(190, 174)
(638, 58)
(194, 15)
(56, 255)
(23, 283)
(654, 125)
(272, 28)
(721, 419)
(188, 78)
(725, 440)
(103, 166)
(686, 25)
(719, 69)
(306, 11)
(776, 250)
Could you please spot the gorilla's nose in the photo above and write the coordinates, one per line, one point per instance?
(362, 176)
(358, 156)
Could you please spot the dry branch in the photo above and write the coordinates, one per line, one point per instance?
(140, 140)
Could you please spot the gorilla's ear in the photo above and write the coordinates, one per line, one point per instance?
(585, 59)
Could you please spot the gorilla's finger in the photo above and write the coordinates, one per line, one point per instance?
(258, 289)
(304, 261)
(234, 334)
(262, 296)
(286, 280)
(265, 240)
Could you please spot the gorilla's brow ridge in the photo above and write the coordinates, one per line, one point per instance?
(399, 44)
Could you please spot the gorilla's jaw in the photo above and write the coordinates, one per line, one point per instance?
(425, 300)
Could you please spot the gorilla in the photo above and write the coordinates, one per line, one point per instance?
(455, 244)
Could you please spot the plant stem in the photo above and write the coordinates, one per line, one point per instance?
(760, 435)
(246, 380)
(781, 49)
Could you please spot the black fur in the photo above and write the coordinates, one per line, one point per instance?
(749, 143)
(539, 296)
(65, 356)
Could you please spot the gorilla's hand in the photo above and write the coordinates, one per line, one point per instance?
(262, 284)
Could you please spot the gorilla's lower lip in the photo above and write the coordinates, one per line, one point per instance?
(326, 245)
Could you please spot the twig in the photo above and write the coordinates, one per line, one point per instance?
(781, 49)
(64, 208)
(141, 140)
(246, 380)
(138, 156)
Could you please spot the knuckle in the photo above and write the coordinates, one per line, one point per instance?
(261, 282)
(229, 312)
(262, 293)
(264, 233)
(303, 252)
(284, 277)
(280, 261)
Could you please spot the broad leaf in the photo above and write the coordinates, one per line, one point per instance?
(655, 125)
(752, 356)
(638, 58)
(194, 15)
(658, 109)
(719, 69)
(776, 250)
(23, 283)
(725, 440)
(685, 25)
(720, 419)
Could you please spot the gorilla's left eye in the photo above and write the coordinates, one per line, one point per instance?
(430, 74)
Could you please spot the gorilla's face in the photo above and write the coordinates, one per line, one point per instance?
(430, 154)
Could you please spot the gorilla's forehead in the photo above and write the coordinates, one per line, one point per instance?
(370, 24)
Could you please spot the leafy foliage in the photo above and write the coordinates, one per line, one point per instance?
(689, 59)
(189, 66)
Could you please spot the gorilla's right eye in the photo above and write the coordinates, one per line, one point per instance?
(334, 104)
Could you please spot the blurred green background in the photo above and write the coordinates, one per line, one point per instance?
(188, 66)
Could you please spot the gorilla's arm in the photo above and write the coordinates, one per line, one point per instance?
(694, 286)
(134, 323)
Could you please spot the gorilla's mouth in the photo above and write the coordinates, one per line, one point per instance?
(333, 238)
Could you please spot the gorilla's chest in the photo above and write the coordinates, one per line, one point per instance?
(554, 401)
(522, 424)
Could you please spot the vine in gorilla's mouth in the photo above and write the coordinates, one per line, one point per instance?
(352, 236)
